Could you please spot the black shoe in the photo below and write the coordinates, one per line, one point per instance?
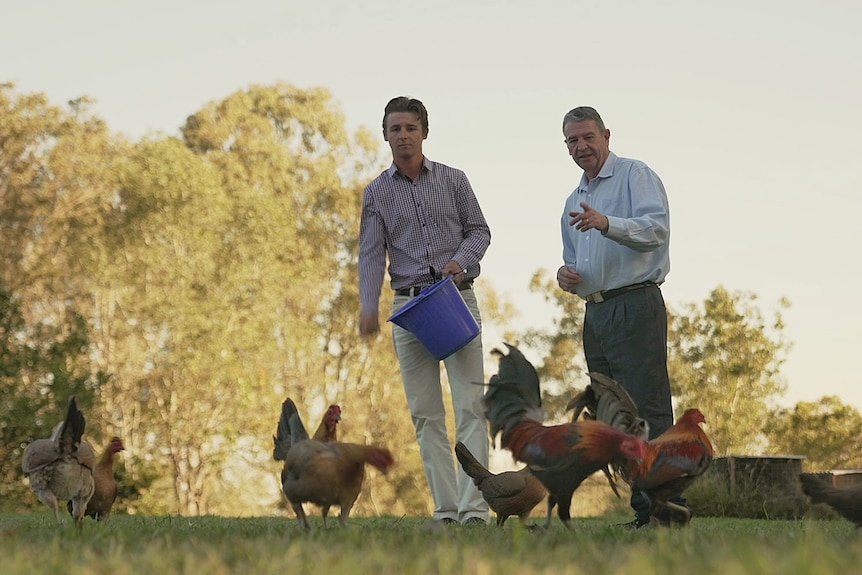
(438, 524)
(448, 521)
(635, 523)
(475, 521)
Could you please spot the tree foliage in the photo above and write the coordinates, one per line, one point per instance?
(212, 276)
(724, 358)
(55, 190)
(827, 432)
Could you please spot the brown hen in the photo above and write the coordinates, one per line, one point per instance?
(323, 473)
(507, 493)
(100, 505)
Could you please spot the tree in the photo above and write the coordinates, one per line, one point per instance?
(724, 359)
(55, 189)
(827, 432)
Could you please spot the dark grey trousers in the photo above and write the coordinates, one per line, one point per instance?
(626, 338)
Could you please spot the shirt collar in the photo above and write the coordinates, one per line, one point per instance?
(426, 163)
(606, 172)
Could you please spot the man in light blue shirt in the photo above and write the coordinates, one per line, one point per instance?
(616, 235)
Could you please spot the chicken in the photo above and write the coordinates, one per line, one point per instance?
(99, 506)
(672, 461)
(61, 468)
(327, 431)
(605, 400)
(560, 456)
(847, 502)
(323, 473)
(507, 493)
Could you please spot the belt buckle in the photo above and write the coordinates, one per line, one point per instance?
(595, 297)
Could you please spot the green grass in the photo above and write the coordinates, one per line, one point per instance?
(32, 543)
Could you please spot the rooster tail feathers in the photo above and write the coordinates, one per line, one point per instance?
(517, 370)
(286, 434)
(583, 401)
(607, 401)
(513, 392)
(470, 464)
(600, 441)
(67, 436)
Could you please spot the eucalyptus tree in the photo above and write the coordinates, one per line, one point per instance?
(725, 358)
(56, 188)
(827, 432)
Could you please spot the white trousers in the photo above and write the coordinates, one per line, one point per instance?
(455, 495)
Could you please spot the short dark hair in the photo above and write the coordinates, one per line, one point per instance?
(582, 113)
(405, 104)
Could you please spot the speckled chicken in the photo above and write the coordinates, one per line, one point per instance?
(847, 501)
(61, 468)
(507, 493)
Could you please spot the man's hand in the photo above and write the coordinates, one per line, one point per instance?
(589, 219)
(568, 278)
(455, 270)
(369, 324)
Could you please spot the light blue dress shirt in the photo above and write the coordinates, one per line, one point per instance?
(635, 248)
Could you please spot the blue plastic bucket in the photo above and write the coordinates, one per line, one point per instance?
(439, 318)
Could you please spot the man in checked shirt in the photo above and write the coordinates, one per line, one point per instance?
(425, 217)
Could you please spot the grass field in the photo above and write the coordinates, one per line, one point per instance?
(33, 543)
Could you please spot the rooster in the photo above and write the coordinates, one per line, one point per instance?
(605, 400)
(507, 493)
(560, 456)
(323, 473)
(61, 468)
(99, 506)
(672, 461)
(847, 502)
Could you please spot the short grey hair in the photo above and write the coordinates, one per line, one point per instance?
(582, 113)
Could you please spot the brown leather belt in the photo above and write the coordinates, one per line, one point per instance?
(414, 291)
(601, 296)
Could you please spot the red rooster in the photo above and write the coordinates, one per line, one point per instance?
(672, 461)
(323, 473)
(560, 456)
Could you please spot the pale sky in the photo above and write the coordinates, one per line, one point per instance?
(749, 111)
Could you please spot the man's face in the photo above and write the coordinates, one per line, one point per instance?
(405, 134)
(588, 146)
